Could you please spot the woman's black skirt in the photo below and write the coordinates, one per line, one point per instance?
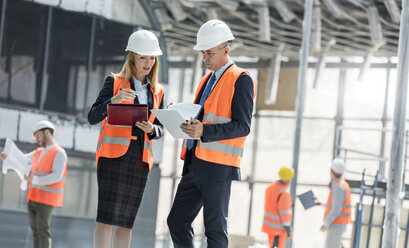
(121, 183)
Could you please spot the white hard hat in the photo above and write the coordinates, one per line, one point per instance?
(337, 165)
(43, 124)
(144, 42)
(211, 34)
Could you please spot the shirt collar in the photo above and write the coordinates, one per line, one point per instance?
(138, 84)
(221, 70)
(336, 180)
(50, 146)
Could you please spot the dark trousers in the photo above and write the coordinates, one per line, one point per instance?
(193, 193)
(39, 216)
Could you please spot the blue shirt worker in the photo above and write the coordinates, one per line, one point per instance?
(212, 160)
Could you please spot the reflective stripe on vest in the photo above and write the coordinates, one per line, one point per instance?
(221, 147)
(114, 140)
(273, 225)
(217, 110)
(51, 194)
(148, 146)
(285, 212)
(272, 216)
(210, 117)
(39, 173)
(48, 189)
(45, 187)
(277, 208)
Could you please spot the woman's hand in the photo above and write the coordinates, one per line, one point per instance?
(145, 126)
(123, 95)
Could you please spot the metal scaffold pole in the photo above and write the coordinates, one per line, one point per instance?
(394, 186)
(304, 52)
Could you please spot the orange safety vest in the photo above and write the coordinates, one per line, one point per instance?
(51, 194)
(217, 110)
(345, 217)
(114, 140)
(277, 209)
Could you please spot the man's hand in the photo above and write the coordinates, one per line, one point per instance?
(289, 237)
(3, 156)
(145, 126)
(323, 228)
(194, 130)
(28, 178)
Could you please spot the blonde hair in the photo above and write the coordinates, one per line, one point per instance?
(128, 70)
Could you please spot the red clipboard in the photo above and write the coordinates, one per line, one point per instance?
(127, 114)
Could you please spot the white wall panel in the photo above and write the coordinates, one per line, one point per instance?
(8, 123)
(86, 138)
(64, 135)
(27, 121)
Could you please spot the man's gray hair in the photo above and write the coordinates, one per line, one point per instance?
(226, 44)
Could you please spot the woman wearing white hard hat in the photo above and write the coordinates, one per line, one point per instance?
(124, 153)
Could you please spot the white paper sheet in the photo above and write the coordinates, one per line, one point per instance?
(17, 161)
(175, 115)
(186, 110)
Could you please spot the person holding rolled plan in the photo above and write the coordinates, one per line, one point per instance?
(46, 182)
(124, 153)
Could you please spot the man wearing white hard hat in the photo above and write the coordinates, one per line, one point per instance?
(46, 180)
(124, 153)
(338, 208)
(212, 159)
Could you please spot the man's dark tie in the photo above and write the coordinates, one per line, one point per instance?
(203, 98)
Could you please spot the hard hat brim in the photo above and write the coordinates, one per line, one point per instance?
(42, 125)
(145, 53)
(201, 48)
(335, 171)
(198, 47)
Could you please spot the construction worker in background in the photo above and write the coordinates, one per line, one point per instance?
(212, 160)
(338, 208)
(278, 209)
(46, 182)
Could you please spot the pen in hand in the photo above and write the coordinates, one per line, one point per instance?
(124, 95)
(132, 91)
